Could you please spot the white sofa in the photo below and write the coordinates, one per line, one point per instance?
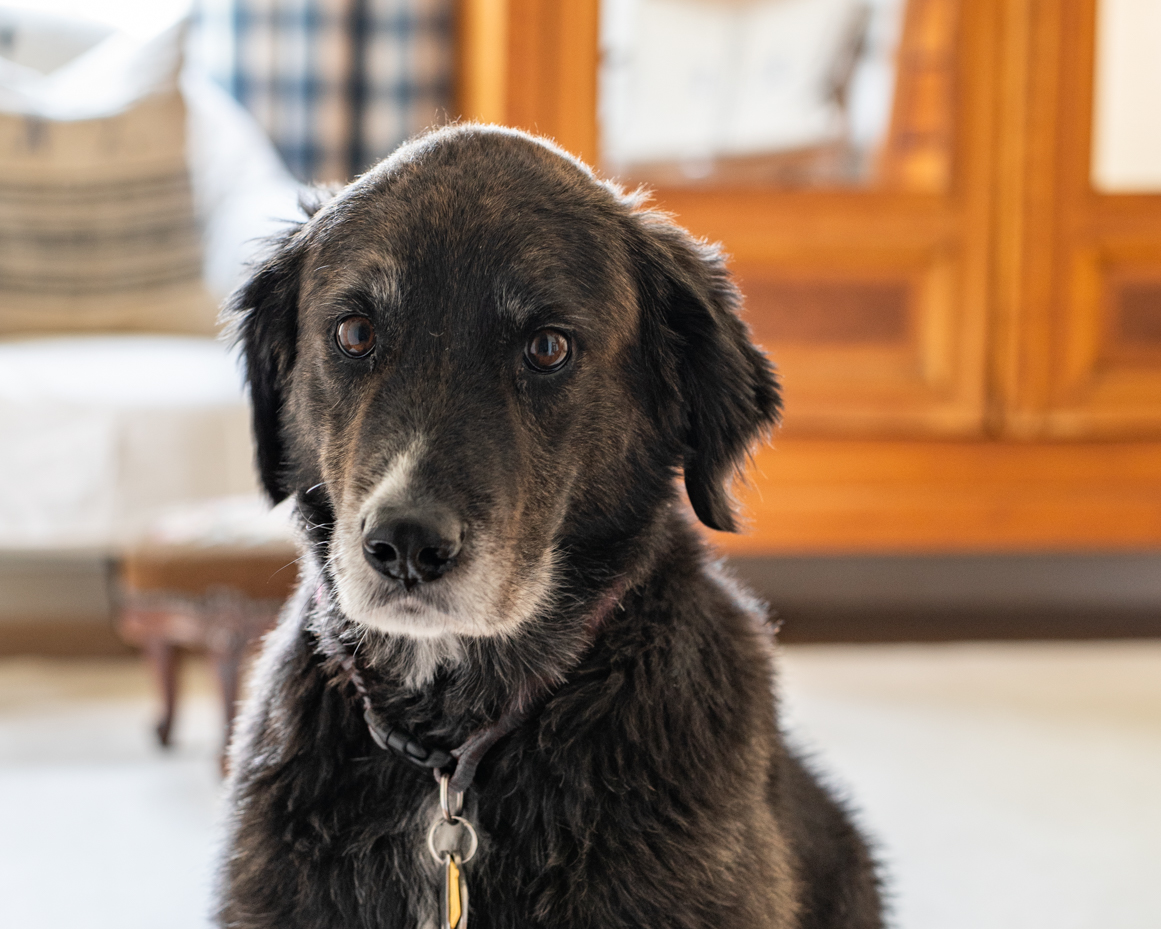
(98, 430)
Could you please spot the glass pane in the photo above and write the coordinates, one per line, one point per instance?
(791, 93)
(1126, 137)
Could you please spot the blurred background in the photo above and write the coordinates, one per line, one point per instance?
(946, 218)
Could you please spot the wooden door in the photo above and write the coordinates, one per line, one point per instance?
(971, 345)
(1078, 340)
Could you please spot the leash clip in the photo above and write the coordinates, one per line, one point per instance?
(398, 740)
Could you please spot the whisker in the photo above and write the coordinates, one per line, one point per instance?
(293, 561)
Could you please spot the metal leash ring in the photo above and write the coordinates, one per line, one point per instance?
(454, 823)
(451, 802)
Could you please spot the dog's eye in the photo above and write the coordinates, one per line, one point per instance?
(547, 350)
(355, 336)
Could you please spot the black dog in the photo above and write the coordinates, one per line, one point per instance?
(480, 371)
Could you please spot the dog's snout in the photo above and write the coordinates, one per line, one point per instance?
(412, 549)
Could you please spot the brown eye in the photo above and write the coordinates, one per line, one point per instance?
(355, 336)
(547, 350)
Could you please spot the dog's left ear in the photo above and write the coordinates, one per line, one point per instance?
(728, 392)
(263, 314)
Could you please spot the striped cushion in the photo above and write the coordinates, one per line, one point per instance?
(97, 224)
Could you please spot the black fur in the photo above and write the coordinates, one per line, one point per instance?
(651, 786)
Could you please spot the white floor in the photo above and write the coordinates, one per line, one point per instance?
(99, 828)
(1008, 785)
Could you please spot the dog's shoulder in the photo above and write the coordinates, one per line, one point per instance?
(682, 671)
(702, 614)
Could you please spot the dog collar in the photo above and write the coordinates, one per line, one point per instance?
(393, 738)
(458, 765)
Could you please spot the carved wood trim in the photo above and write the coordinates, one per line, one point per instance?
(835, 496)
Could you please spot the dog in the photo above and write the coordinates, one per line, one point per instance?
(513, 686)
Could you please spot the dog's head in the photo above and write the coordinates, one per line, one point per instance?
(478, 366)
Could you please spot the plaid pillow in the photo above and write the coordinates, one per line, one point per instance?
(338, 84)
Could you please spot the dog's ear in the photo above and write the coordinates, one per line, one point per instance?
(314, 198)
(727, 390)
(263, 313)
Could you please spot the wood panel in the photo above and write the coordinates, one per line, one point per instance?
(531, 64)
(1065, 365)
(481, 80)
(934, 246)
(833, 496)
(917, 153)
(551, 71)
(60, 638)
(826, 311)
(1134, 310)
(881, 346)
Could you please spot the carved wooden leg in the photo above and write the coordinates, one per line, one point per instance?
(163, 659)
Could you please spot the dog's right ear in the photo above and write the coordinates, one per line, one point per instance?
(723, 384)
(264, 315)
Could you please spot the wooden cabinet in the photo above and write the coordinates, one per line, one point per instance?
(1077, 333)
(971, 343)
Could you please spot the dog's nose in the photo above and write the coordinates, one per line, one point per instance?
(411, 549)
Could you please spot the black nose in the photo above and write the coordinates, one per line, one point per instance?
(411, 549)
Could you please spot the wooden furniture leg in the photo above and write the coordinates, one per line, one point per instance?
(205, 596)
(163, 660)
